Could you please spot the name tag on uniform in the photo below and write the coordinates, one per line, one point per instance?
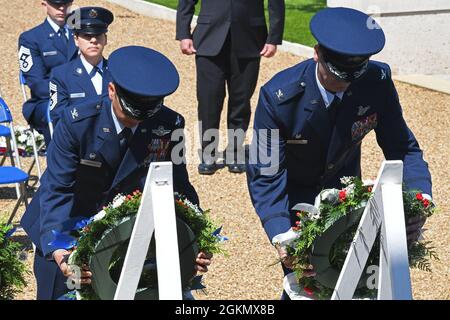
(297, 141)
(78, 95)
(50, 53)
(90, 163)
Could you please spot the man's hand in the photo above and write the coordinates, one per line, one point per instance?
(61, 257)
(413, 227)
(269, 50)
(203, 261)
(187, 47)
(285, 258)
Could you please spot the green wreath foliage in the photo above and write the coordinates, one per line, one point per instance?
(198, 220)
(12, 269)
(336, 204)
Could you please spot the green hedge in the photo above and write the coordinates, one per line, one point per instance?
(298, 15)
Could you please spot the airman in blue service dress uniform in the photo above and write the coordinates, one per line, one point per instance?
(97, 153)
(83, 81)
(323, 108)
(40, 50)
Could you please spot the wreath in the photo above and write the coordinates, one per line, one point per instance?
(324, 237)
(101, 242)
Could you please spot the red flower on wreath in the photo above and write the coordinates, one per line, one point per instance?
(308, 291)
(342, 195)
(426, 203)
(419, 197)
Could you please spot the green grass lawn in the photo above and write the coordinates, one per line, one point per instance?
(298, 15)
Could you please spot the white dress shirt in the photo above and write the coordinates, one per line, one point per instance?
(55, 27)
(97, 80)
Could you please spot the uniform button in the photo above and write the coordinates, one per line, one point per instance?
(98, 106)
(302, 84)
(330, 166)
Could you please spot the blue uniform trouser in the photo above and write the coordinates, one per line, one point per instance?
(51, 283)
(38, 119)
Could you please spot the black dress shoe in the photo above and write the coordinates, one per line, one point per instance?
(236, 168)
(204, 168)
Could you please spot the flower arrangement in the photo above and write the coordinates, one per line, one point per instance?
(24, 140)
(88, 233)
(12, 269)
(334, 204)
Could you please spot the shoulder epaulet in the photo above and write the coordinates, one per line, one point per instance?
(287, 84)
(379, 71)
(288, 91)
(78, 113)
(170, 117)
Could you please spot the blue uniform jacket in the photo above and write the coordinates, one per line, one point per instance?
(85, 171)
(39, 51)
(71, 85)
(313, 154)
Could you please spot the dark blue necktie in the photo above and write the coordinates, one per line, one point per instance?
(62, 35)
(333, 109)
(124, 140)
(94, 71)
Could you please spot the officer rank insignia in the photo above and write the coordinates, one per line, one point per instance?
(362, 110)
(362, 127)
(25, 59)
(178, 121)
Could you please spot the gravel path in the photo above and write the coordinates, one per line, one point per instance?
(246, 274)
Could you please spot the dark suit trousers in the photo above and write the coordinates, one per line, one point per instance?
(214, 75)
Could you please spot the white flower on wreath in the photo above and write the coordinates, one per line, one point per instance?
(22, 138)
(346, 180)
(189, 204)
(118, 200)
(314, 215)
(350, 189)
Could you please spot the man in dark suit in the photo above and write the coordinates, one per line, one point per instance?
(229, 40)
(97, 153)
(83, 80)
(42, 48)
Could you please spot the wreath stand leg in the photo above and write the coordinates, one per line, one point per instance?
(156, 214)
(385, 210)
